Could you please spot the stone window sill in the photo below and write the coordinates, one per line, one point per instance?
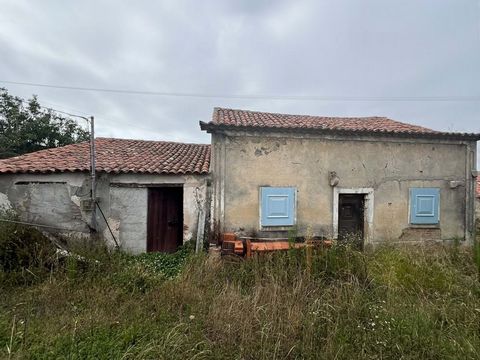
(424, 226)
(277, 228)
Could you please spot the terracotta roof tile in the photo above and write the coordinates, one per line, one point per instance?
(116, 156)
(262, 119)
(254, 119)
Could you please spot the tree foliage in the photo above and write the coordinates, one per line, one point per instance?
(26, 127)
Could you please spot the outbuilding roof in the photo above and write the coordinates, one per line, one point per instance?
(245, 119)
(115, 156)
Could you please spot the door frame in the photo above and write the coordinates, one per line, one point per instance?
(367, 211)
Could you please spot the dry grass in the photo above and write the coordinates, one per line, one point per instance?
(387, 304)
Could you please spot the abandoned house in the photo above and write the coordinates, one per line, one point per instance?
(269, 176)
(377, 178)
(150, 193)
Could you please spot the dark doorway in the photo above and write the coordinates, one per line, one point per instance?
(165, 219)
(350, 218)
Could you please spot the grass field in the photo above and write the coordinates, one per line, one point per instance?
(417, 303)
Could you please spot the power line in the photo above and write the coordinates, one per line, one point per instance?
(66, 113)
(64, 108)
(58, 111)
(255, 96)
(55, 109)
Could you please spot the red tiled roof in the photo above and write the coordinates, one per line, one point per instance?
(116, 156)
(255, 119)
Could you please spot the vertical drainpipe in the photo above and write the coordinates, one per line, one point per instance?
(222, 182)
(472, 149)
(473, 179)
(469, 194)
(92, 172)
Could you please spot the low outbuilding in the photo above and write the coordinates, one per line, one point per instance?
(150, 195)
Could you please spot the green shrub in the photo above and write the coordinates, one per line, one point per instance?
(23, 247)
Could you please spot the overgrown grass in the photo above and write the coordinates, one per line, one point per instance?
(413, 303)
(22, 247)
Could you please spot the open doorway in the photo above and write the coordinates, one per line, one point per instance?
(351, 219)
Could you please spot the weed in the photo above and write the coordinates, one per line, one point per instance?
(413, 303)
(22, 247)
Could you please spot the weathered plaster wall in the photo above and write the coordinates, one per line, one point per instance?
(128, 205)
(55, 200)
(52, 200)
(128, 217)
(244, 162)
(5, 204)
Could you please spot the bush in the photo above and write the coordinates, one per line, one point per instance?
(23, 247)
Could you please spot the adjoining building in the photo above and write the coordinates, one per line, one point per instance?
(151, 194)
(376, 178)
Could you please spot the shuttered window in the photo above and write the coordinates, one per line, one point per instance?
(277, 206)
(424, 205)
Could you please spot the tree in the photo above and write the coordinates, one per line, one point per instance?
(26, 127)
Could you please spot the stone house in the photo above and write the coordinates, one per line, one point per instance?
(380, 179)
(151, 194)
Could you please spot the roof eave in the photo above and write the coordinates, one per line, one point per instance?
(212, 128)
(100, 171)
(205, 126)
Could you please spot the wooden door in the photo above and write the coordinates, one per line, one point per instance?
(351, 218)
(165, 219)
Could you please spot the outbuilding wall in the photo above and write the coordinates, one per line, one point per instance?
(245, 161)
(56, 200)
(48, 199)
(128, 199)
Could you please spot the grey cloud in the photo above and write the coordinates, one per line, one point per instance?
(340, 48)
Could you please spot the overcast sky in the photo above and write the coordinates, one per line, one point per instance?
(325, 48)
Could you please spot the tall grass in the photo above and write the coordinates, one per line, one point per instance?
(416, 303)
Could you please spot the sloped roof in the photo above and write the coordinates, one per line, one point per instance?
(231, 118)
(115, 156)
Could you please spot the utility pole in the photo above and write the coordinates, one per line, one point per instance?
(92, 172)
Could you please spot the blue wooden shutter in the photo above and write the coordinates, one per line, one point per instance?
(278, 206)
(424, 205)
